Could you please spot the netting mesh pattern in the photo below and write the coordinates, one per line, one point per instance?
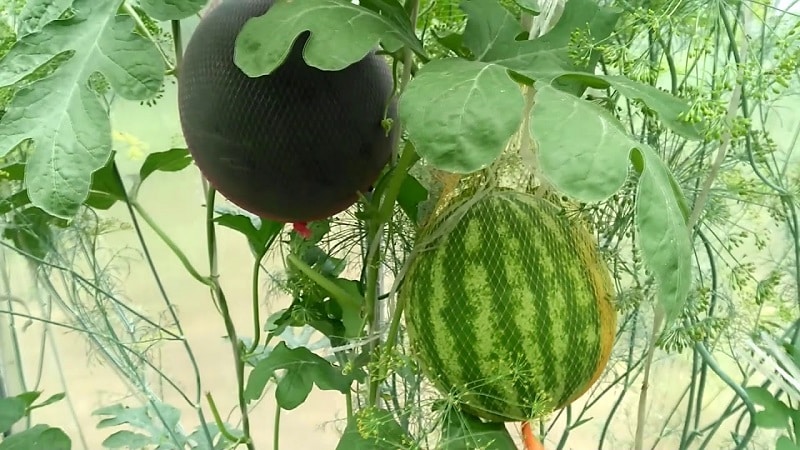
(508, 305)
(295, 145)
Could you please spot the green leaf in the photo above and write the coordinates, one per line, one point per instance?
(775, 415)
(36, 14)
(412, 195)
(63, 117)
(171, 9)
(786, 443)
(531, 6)
(549, 55)
(663, 235)
(762, 396)
(462, 431)
(382, 432)
(259, 232)
(105, 188)
(31, 231)
(50, 400)
(593, 164)
(127, 439)
(161, 426)
(12, 410)
(199, 436)
(395, 13)
(460, 114)
(490, 28)
(341, 34)
(303, 370)
(29, 397)
(172, 160)
(350, 309)
(38, 437)
(666, 106)
(772, 419)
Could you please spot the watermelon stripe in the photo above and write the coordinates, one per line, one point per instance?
(545, 282)
(437, 310)
(525, 317)
(512, 305)
(498, 236)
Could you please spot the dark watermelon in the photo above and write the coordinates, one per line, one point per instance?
(296, 145)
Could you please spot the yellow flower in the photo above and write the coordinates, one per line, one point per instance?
(136, 148)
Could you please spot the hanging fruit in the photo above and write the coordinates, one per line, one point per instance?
(296, 145)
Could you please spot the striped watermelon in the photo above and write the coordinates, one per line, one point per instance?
(509, 306)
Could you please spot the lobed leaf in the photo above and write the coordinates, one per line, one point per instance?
(593, 164)
(172, 9)
(303, 370)
(36, 14)
(66, 121)
(341, 34)
(38, 437)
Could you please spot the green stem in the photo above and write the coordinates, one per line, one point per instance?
(334, 290)
(254, 300)
(751, 428)
(143, 29)
(230, 328)
(170, 243)
(388, 195)
(276, 438)
(388, 346)
(218, 420)
(177, 43)
(641, 417)
(130, 204)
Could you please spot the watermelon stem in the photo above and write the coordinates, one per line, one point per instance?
(391, 190)
(333, 289)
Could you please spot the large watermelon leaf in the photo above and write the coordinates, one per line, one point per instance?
(461, 113)
(341, 34)
(593, 164)
(36, 14)
(66, 121)
(172, 9)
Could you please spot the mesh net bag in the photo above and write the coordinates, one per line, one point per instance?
(508, 302)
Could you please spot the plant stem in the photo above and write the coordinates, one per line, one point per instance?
(385, 201)
(389, 194)
(641, 416)
(276, 437)
(334, 290)
(254, 288)
(143, 29)
(170, 243)
(230, 328)
(177, 43)
(699, 205)
(218, 420)
(130, 204)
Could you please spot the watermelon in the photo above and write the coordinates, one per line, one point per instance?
(508, 305)
(297, 145)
